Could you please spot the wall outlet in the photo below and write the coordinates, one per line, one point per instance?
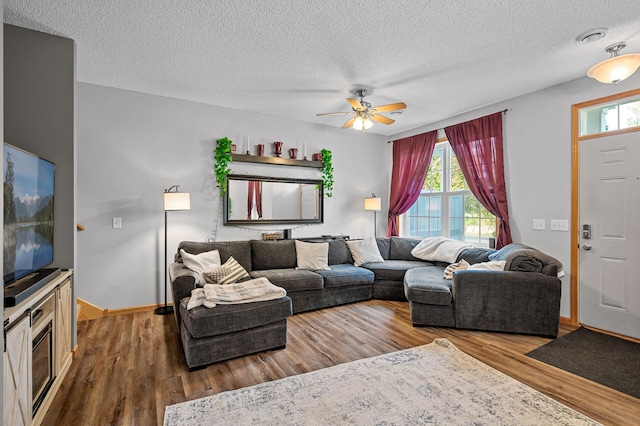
(539, 224)
(117, 223)
(559, 225)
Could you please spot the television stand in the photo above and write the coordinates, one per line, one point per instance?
(16, 292)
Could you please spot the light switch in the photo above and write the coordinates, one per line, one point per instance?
(117, 223)
(559, 225)
(539, 224)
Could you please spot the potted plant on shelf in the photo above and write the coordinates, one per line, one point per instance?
(222, 156)
(327, 172)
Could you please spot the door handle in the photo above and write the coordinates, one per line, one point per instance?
(587, 246)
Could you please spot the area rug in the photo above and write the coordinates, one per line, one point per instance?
(431, 384)
(604, 359)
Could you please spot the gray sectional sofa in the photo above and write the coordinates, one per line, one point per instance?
(517, 302)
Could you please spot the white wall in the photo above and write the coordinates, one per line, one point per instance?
(131, 146)
(537, 150)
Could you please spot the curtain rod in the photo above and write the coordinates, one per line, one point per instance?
(504, 111)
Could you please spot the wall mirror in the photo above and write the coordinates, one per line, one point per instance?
(252, 200)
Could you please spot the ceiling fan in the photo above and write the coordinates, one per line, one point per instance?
(364, 114)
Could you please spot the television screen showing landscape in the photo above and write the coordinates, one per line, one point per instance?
(28, 213)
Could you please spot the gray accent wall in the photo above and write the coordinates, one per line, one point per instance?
(537, 150)
(39, 117)
(39, 80)
(132, 146)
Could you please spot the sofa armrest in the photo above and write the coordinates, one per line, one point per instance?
(182, 282)
(517, 302)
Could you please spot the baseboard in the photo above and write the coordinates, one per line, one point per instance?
(89, 311)
(131, 310)
(567, 321)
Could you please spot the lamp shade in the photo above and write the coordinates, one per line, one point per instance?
(177, 201)
(373, 203)
(616, 69)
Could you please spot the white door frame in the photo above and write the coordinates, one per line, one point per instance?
(575, 185)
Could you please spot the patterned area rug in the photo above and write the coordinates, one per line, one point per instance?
(431, 384)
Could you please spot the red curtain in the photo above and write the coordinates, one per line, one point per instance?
(411, 158)
(254, 193)
(478, 148)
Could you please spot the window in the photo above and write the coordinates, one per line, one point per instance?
(446, 206)
(611, 116)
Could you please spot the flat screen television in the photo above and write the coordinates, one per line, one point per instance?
(28, 213)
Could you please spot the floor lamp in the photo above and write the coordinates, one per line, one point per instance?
(173, 200)
(374, 204)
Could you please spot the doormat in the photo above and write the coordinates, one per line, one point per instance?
(604, 359)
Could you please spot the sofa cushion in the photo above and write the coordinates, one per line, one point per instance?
(291, 279)
(428, 286)
(400, 248)
(273, 254)
(384, 246)
(240, 250)
(339, 252)
(346, 275)
(224, 319)
(393, 269)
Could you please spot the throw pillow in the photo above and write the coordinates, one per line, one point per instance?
(312, 256)
(459, 266)
(201, 262)
(217, 274)
(228, 273)
(365, 251)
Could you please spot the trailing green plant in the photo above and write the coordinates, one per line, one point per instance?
(222, 156)
(327, 172)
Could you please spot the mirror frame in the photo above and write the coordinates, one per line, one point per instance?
(231, 222)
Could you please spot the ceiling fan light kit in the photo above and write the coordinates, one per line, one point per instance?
(617, 67)
(364, 114)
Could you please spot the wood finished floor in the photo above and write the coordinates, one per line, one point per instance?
(129, 367)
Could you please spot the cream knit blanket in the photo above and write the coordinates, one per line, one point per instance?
(439, 249)
(255, 290)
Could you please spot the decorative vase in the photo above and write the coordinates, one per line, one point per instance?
(316, 156)
(293, 153)
(233, 148)
(277, 147)
(260, 150)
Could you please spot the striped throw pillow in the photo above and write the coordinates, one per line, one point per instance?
(228, 273)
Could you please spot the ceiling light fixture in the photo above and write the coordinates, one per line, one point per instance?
(617, 67)
(362, 123)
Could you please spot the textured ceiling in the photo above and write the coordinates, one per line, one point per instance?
(298, 58)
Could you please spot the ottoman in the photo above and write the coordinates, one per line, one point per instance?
(228, 331)
(429, 296)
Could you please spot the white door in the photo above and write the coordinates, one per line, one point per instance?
(609, 287)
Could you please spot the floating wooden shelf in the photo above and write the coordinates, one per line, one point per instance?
(276, 160)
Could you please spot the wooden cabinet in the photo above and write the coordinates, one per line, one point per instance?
(17, 372)
(37, 352)
(63, 325)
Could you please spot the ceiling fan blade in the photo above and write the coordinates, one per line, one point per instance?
(381, 119)
(349, 123)
(389, 107)
(356, 104)
(336, 113)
